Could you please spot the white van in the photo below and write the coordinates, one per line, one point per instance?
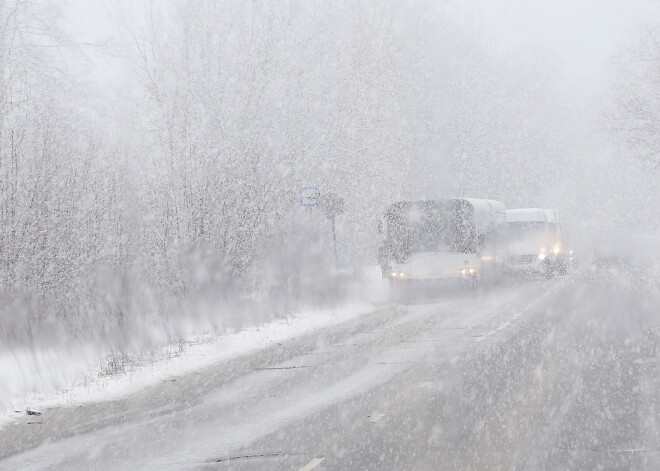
(534, 240)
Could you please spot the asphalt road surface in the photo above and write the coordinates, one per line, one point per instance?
(540, 374)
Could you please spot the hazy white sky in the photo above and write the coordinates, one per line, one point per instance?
(580, 35)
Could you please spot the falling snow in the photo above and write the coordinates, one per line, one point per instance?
(329, 235)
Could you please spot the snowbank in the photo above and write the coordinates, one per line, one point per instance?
(27, 374)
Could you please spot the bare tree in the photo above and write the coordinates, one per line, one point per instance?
(634, 115)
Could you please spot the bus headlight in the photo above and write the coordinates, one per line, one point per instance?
(542, 256)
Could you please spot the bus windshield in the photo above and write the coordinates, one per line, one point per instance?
(430, 226)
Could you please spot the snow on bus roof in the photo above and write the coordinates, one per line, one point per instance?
(485, 204)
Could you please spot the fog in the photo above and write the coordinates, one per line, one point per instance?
(175, 172)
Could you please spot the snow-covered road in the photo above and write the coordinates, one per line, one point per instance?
(538, 375)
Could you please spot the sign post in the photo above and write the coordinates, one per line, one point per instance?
(333, 205)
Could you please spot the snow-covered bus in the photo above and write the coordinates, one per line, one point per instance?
(443, 239)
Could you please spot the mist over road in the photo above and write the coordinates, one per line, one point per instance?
(542, 374)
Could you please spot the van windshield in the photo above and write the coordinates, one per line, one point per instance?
(525, 227)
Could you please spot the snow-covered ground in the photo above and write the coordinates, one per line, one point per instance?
(46, 368)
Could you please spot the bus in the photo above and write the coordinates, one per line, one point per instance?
(451, 239)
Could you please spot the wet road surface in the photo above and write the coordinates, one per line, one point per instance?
(549, 374)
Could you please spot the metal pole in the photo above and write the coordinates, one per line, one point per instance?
(334, 241)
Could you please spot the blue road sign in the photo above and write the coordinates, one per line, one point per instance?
(310, 196)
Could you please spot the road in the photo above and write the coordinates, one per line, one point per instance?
(556, 374)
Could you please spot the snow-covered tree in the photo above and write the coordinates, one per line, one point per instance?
(635, 115)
